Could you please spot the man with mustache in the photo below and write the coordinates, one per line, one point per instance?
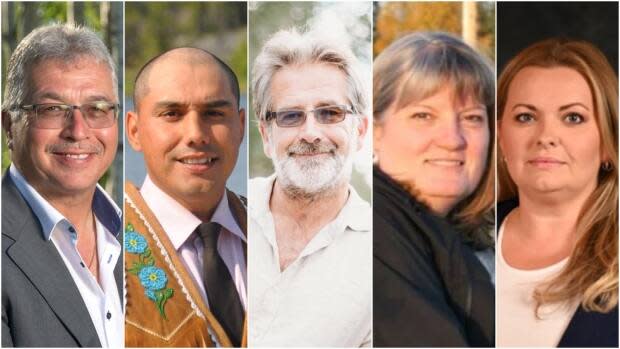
(61, 265)
(310, 247)
(185, 232)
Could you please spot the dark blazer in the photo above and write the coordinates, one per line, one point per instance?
(429, 289)
(586, 329)
(41, 305)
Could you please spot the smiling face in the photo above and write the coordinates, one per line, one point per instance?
(312, 157)
(548, 133)
(68, 160)
(189, 128)
(437, 145)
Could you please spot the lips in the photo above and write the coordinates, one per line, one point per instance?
(546, 160)
(445, 162)
(197, 163)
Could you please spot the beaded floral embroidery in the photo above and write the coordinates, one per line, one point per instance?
(153, 279)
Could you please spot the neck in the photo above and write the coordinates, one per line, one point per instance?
(439, 205)
(549, 218)
(75, 207)
(311, 211)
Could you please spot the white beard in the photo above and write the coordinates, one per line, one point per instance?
(316, 175)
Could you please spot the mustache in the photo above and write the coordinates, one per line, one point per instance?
(305, 148)
(67, 147)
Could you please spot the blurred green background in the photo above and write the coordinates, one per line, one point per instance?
(155, 27)
(333, 18)
(473, 21)
(105, 18)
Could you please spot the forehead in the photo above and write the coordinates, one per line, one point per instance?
(556, 85)
(187, 82)
(308, 85)
(83, 76)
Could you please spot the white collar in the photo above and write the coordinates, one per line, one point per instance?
(178, 222)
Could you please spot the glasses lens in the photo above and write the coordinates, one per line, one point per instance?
(290, 118)
(50, 115)
(330, 114)
(99, 114)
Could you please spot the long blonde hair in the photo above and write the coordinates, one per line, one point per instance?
(591, 274)
(417, 66)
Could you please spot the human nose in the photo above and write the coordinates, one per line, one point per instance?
(194, 129)
(451, 135)
(546, 136)
(76, 128)
(310, 130)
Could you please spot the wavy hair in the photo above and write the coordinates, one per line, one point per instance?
(591, 273)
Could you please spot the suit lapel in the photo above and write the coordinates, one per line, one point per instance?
(40, 261)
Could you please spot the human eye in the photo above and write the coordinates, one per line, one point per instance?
(524, 118)
(421, 116)
(213, 113)
(171, 114)
(475, 118)
(574, 118)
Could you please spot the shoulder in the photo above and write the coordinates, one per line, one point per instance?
(591, 329)
(504, 208)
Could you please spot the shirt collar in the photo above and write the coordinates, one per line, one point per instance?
(177, 221)
(260, 192)
(104, 208)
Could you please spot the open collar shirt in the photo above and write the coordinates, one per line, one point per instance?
(324, 297)
(179, 223)
(101, 299)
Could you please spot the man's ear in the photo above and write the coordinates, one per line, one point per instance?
(132, 129)
(362, 128)
(263, 128)
(7, 126)
(242, 120)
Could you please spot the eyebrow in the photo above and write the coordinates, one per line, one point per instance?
(220, 103)
(316, 105)
(528, 106)
(564, 107)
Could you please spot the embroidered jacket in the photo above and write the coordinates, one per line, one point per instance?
(163, 307)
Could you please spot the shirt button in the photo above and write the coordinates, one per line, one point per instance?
(82, 264)
(108, 315)
(71, 229)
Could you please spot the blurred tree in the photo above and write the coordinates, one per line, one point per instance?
(155, 27)
(395, 19)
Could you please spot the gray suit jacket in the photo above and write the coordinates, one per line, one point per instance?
(41, 305)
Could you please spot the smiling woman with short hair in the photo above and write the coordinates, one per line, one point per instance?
(433, 194)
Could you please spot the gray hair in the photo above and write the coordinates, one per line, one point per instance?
(63, 42)
(289, 47)
(418, 65)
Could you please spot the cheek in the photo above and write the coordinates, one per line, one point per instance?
(401, 143)
(478, 146)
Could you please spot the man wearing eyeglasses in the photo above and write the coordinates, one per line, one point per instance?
(310, 246)
(61, 265)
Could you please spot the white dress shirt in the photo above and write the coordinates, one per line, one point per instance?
(324, 297)
(517, 324)
(179, 223)
(102, 300)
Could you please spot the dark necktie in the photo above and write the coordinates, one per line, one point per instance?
(222, 294)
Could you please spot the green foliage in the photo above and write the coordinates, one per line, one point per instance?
(155, 27)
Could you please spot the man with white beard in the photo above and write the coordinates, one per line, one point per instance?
(310, 245)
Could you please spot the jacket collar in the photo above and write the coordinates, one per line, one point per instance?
(40, 261)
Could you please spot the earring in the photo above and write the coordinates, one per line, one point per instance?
(606, 166)
(9, 144)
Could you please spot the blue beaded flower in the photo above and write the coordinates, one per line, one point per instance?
(150, 294)
(134, 242)
(152, 278)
